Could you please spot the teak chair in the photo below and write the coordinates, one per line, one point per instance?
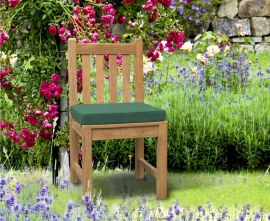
(102, 121)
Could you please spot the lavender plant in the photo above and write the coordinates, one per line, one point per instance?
(35, 201)
(216, 118)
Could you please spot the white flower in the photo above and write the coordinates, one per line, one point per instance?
(160, 58)
(187, 46)
(145, 59)
(201, 58)
(194, 70)
(3, 55)
(213, 50)
(13, 59)
(240, 30)
(227, 48)
(163, 43)
(149, 66)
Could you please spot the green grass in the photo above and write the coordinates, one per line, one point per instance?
(192, 189)
(219, 189)
(263, 60)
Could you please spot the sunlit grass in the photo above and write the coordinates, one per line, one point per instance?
(219, 189)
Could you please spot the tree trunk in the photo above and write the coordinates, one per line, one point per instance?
(64, 156)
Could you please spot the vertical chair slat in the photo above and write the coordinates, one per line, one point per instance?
(113, 78)
(72, 71)
(139, 83)
(100, 78)
(126, 78)
(86, 79)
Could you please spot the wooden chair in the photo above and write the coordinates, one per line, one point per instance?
(101, 121)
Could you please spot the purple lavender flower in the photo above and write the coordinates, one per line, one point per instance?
(10, 202)
(18, 187)
(176, 208)
(44, 190)
(258, 215)
(3, 182)
(64, 184)
(181, 10)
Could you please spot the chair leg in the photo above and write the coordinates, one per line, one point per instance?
(161, 176)
(139, 153)
(87, 161)
(74, 155)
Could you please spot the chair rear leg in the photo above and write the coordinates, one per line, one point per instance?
(139, 153)
(161, 175)
(87, 161)
(74, 155)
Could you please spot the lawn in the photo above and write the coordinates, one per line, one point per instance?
(198, 193)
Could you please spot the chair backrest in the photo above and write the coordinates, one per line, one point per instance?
(95, 52)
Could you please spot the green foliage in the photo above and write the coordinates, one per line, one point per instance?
(13, 156)
(217, 131)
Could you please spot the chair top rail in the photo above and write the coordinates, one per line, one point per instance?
(106, 48)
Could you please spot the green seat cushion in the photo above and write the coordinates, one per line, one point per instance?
(116, 113)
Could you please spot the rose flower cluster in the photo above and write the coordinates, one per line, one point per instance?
(3, 37)
(50, 90)
(86, 26)
(174, 41)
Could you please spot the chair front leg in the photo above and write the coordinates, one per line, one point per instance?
(74, 155)
(87, 160)
(139, 153)
(161, 175)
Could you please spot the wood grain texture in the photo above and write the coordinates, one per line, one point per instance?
(139, 154)
(74, 153)
(124, 133)
(161, 175)
(87, 160)
(86, 85)
(72, 71)
(100, 78)
(144, 164)
(139, 82)
(113, 78)
(78, 170)
(106, 48)
(126, 77)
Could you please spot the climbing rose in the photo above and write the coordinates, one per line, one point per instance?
(51, 90)
(13, 3)
(129, 1)
(121, 19)
(166, 3)
(52, 29)
(3, 37)
(56, 78)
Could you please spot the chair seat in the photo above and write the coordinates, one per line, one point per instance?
(116, 113)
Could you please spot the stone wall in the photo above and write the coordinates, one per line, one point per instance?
(245, 18)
